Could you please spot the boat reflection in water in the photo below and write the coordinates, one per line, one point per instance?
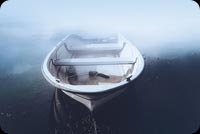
(71, 117)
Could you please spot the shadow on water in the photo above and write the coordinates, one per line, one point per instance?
(70, 117)
(164, 99)
(1, 131)
(197, 132)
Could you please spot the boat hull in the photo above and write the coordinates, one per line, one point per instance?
(94, 100)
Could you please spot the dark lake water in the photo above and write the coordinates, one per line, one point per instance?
(163, 100)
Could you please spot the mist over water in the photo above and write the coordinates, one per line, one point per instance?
(156, 28)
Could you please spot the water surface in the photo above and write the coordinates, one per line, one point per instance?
(164, 99)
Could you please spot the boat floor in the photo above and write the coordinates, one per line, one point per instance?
(62, 73)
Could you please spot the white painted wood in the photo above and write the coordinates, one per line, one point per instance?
(93, 61)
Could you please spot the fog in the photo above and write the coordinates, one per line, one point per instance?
(32, 28)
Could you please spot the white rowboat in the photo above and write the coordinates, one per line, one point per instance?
(92, 70)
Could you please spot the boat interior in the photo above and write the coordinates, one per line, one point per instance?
(92, 61)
